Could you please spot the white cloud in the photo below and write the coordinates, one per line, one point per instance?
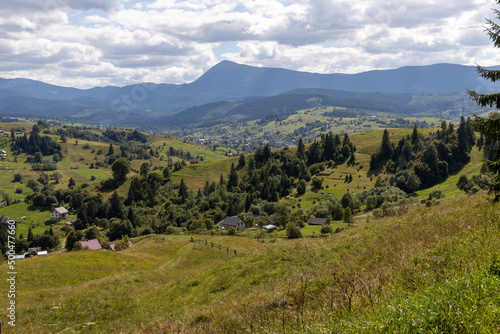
(173, 41)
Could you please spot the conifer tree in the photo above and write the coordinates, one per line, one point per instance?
(490, 127)
(183, 190)
(232, 181)
(301, 150)
(386, 149)
(111, 150)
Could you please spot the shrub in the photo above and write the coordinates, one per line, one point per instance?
(293, 231)
(378, 213)
(437, 194)
(301, 187)
(326, 229)
(172, 230)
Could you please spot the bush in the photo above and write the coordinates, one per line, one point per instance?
(474, 190)
(316, 183)
(437, 194)
(301, 187)
(123, 243)
(231, 231)
(293, 231)
(326, 229)
(145, 230)
(378, 213)
(172, 230)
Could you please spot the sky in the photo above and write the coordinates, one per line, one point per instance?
(88, 43)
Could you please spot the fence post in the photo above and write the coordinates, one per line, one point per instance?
(206, 242)
(212, 244)
(227, 249)
(235, 252)
(192, 240)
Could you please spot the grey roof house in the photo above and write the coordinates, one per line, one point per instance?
(317, 221)
(229, 222)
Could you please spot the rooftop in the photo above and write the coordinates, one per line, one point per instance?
(91, 244)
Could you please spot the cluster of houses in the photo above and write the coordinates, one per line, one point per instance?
(239, 224)
(237, 142)
(57, 213)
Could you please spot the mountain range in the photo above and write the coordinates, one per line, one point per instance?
(229, 89)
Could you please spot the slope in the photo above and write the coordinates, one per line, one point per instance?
(311, 285)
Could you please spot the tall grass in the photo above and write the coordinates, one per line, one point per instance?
(469, 304)
(360, 280)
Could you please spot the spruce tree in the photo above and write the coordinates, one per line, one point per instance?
(301, 150)
(30, 235)
(232, 181)
(386, 149)
(111, 150)
(183, 191)
(490, 127)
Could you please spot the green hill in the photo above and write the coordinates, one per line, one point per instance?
(81, 154)
(376, 276)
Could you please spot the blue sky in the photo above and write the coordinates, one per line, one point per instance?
(118, 42)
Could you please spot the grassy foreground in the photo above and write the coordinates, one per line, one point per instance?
(426, 271)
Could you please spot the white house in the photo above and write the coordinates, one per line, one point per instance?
(59, 213)
(229, 222)
(3, 154)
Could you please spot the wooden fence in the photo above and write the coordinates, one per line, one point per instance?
(214, 245)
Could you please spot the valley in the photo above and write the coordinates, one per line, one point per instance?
(309, 211)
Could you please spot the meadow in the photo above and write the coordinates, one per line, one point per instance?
(80, 154)
(372, 277)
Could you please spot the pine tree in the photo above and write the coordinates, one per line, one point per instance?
(241, 161)
(111, 150)
(490, 127)
(30, 235)
(183, 191)
(166, 173)
(414, 135)
(386, 149)
(301, 150)
(232, 181)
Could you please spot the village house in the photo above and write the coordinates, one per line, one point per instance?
(92, 244)
(4, 220)
(317, 221)
(59, 214)
(34, 250)
(270, 228)
(195, 161)
(229, 222)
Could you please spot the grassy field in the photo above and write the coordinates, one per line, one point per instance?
(78, 159)
(449, 187)
(38, 218)
(163, 143)
(359, 280)
(197, 175)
